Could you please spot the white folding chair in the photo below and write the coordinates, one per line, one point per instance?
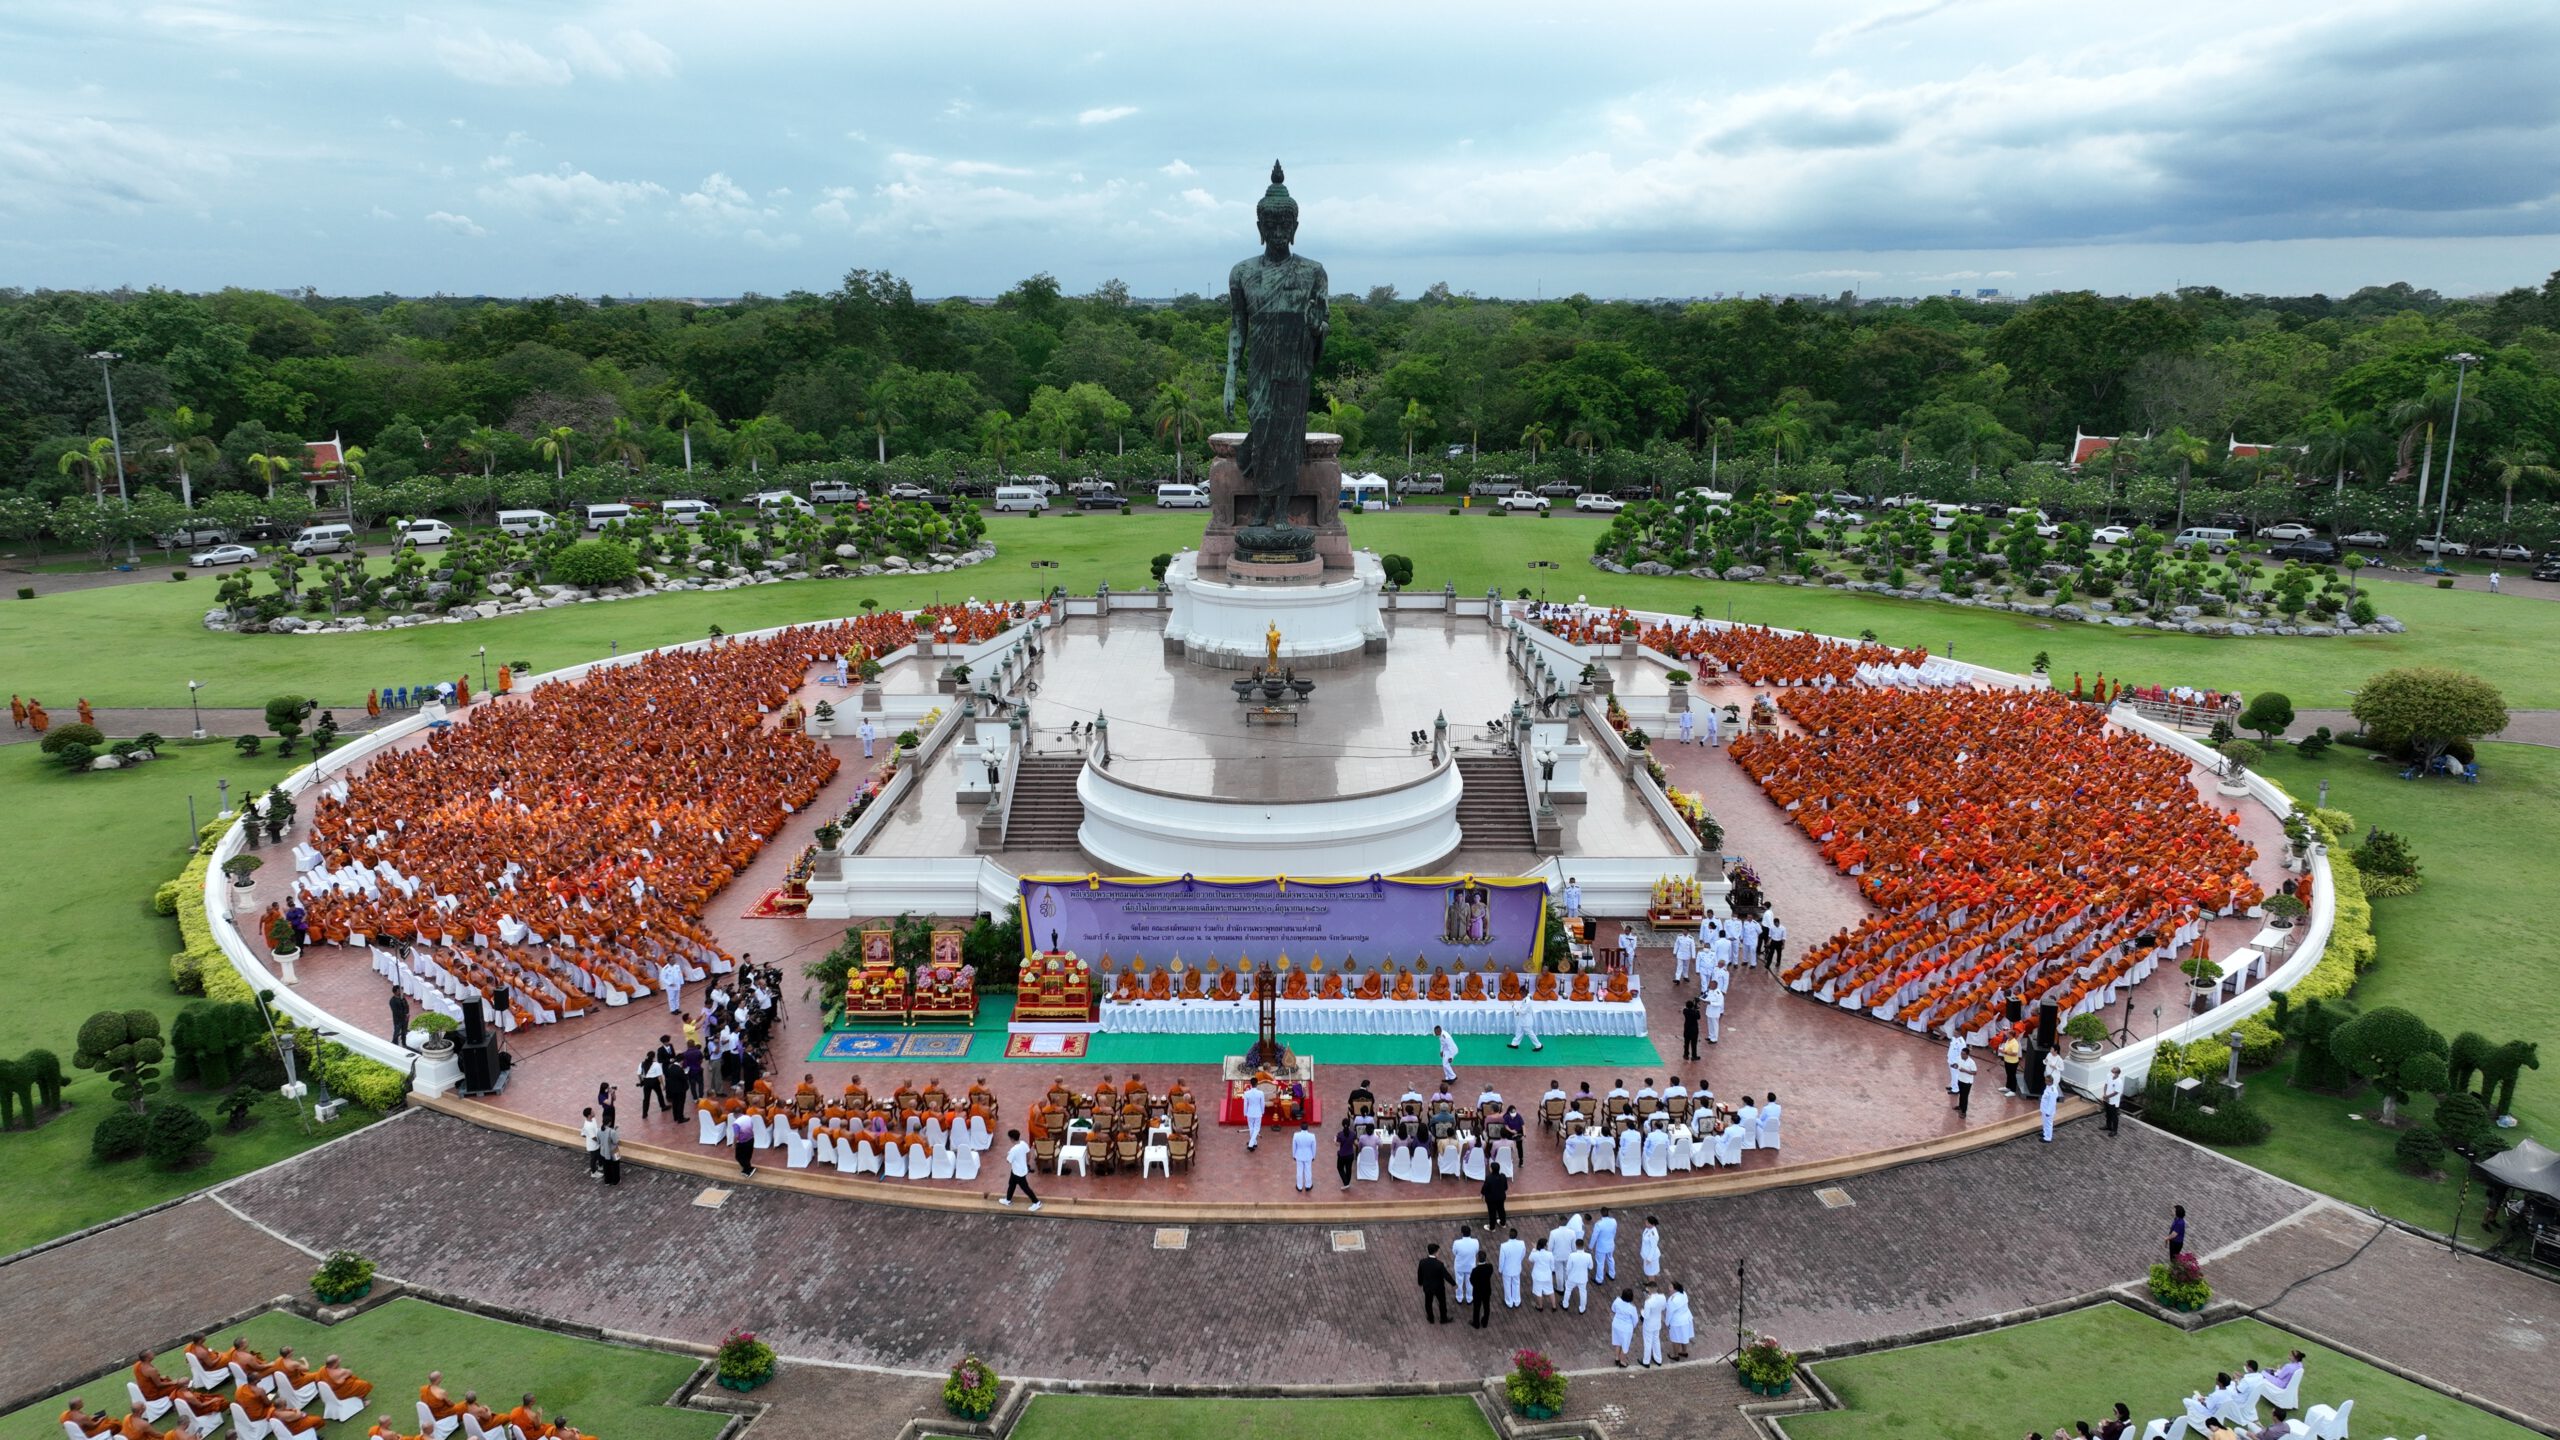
(1577, 1154)
(1604, 1155)
(333, 1409)
(471, 1429)
(1156, 1154)
(946, 1163)
(711, 1127)
(1768, 1134)
(1471, 1165)
(1729, 1147)
(797, 1152)
(2288, 1398)
(192, 1424)
(71, 1431)
(244, 1428)
(151, 1409)
(2328, 1424)
(822, 1147)
(432, 1428)
(212, 1382)
(893, 1160)
(1071, 1154)
(764, 1130)
(964, 1165)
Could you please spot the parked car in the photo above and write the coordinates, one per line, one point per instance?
(834, 492)
(1421, 484)
(1829, 513)
(193, 533)
(904, 491)
(2549, 569)
(1493, 485)
(1846, 500)
(421, 532)
(1594, 500)
(2508, 550)
(2430, 545)
(2289, 530)
(1093, 485)
(1896, 502)
(1522, 500)
(2314, 551)
(223, 555)
(2112, 534)
(2367, 540)
(1560, 489)
(1105, 498)
(1170, 496)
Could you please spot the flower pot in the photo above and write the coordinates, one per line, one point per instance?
(284, 962)
(1535, 1412)
(1762, 1387)
(341, 1297)
(436, 1047)
(749, 1383)
(969, 1412)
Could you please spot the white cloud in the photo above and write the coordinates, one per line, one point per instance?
(49, 161)
(623, 55)
(574, 195)
(569, 53)
(497, 162)
(720, 199)
(462, 225)
(1105, 114)
(381, 214)
(1839, 35)
(483, 58)
(981, 167)
(1200, 197)
(1178, 170)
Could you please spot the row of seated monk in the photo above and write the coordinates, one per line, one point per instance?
(267, 1394)
(1114, 1105)
(1509, 985)
(439, 1414)
(854, 1101)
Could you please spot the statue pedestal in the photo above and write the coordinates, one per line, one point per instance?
(1315, 504)
(1221, 617)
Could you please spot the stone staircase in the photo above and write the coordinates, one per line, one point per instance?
(1047, 812)
(1493, 812)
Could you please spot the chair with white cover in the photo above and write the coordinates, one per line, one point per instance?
(1604, 1155)
(2194, 1422)
(431, 1428)
(964, 1164)
(1075, 1154)
(1400, 1156)
(1768, 1131)
(893, 1160)
(1506, 1157)
(764, 1130)
(1729, 1147)
(151, 1409)
(797, 1151)
(919, 1167)
(1630, 1152)
(1684, 1149)
(1364, 1165)
(212, 1382)
(978, 1139)
(1156, 1154)
(1471, 1164)
(1657, 1154)
(334, 1409)
(2156, 1430)
(2329, 1426)
(191, 1424)
(72, 1431)
(244, 1428)
(933, 1135)
(711, 1127)
(297, 1396)
(946, 1163)
(1577, 1154)
(471, 1429)
(1417, 1165)
(2286, 1398)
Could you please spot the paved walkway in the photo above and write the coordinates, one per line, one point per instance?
(2524, 727)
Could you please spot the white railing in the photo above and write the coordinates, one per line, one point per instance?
(923, 884)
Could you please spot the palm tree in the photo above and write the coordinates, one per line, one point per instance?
(1536, 437)
(2518, 467)
(1579, 438)
(271, 466)
(998, 432)
(189, 447)
(880, 408)
(1787, 429)
(554, 447)
(2336, 443)
(93, 460)
(2416, 420)
(683, 412)
(623, 443)
(1719, 429)
(1414, 422)
(752, 441)
(2188, 449)
(482, 445)
(1177, 415)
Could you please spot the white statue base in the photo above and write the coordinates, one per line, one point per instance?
(1324, 620)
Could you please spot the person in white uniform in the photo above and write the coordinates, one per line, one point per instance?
(1508, 1262)
(1622, 1325)
(1955, 1056)
(1649, 1248)
(1684, 956)
(1688, 728)
(671, 980)
(1604, 1247)
(1302, 1149)
(1715, 1013)
(2051, 1101)
(1654, 1306)
(1769, 1113)
(1448, 1055)
(1572, 898)
(1715, 727)
(1679, 1326)
(1462, 1259)
(1542, 1279)
(1524, 1023)
(1627, 947)
(1255, 1102)
(869, 733)
(1577, 1279)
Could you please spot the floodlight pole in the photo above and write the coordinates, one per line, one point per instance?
(2462, 360)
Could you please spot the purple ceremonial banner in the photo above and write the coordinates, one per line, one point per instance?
(1478, 924)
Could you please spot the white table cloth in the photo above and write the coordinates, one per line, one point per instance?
(1370, 1017)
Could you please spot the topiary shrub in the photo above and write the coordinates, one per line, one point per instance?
(74, 733)
(173, 1135)
(594, 563)
(119, 1136)
(2462, 1120)
(2228, 1122)
(2314, 745)
(2420, 1151)
(1398, 568)
(2389, 866)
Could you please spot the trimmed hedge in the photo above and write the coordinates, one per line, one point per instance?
(2232, 1122)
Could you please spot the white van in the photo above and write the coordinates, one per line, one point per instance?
(1182, 497)
(1021, 497)
(324, 539)
(686, 512)
(524, 522)
(599, 516)
(834, 492)
(421, 532)
(1943, 516)
(769, 502)
(2213, 538)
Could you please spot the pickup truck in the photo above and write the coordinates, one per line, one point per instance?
(1523, 500)
(835, 492)
(904, 491)
(1560, 489)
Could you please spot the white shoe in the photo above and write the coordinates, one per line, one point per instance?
(1035, 1204)
(1008, 1200)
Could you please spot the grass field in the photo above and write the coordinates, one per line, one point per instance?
(77, 909)
(1107, 1417)
(608, 1390)
(138, 644)
(2075, 1367)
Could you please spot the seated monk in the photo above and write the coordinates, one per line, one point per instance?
(1159, 986)
(1126, 989)
(1618, 988)
(1295, 986)
(156, 1386)
(1331, 989)
(253, 1402)
(1439, 985)
(481, 1415)
(527, 1418)
(1404, 985)
(805, 1098)
(207, 1358)
(383, 1430)
(1227, 986)
(433, 1396)
(1546, 988)
(78, 1417)
(1474, 988)
(289, 1367)
(1177, 1091)
(135, 1427)
(1370, 986)
(979, 1094)
(1133, 1087)
(1510, 987)
(1191, 984)
(342, 1381)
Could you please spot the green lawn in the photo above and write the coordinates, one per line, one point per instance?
(82, 938)
(2315, 1144)
(2076, 1366)
(609, 1390)
(1108, 1417)
(157, 640)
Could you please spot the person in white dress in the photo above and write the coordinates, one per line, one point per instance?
(1542, 1279)
(1654, 1307)
(1678, 1325)
(1955, 1057)
(1448, 1055)
(1622, 1325)
(1649, 1248)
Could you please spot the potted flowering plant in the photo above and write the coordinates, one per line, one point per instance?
(969, 1391)
(2180, 1284)
(344, 1276)
(1766, 1367)
(2284, 910)
(745, 1362)
(822, 720)
(1535, 1386)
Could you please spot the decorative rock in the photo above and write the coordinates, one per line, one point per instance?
(1650, 567)
(286, 625)
(106, 762)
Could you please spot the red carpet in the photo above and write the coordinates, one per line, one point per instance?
(1018, 1047)
(770, 907)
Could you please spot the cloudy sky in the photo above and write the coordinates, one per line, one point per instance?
(1626, 149)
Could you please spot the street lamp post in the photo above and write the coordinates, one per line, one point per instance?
(115, 437)
(2462, 360)
(192, 710)
(484, 669)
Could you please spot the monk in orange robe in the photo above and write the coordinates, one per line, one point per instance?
(135, 1427)
(433, 1396)
(156, 1386)
(344, 1382)
(78, 1416)
(527, 1418)
(253, 1402)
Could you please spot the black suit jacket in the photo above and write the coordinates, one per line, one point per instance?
(1432, 1274)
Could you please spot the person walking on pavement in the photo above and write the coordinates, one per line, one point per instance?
(1448, 1055)
(400, 1019)
(1955, 1053)
(589, 1131)
(1433, 1276)
(1480, 1291)
(671, 980)
(1650, 1320)
(1255, 1102)
(1497, 1195)
(1017, 1164)
(2048, 1104)
(742, 1142)
(1577, 1279)
(609, 1154)
(869, 733)
(2114, 1096)
(1604, 1247)
(1715, 1013)
(1622, 1325)
(1964, 1083)
(653, 1082)
(2012, 1050)
(1346, 1150)
(1688, 728)
(1689, 1015)
(1524, 1023)
(1649, 1247)
(2177, 1232)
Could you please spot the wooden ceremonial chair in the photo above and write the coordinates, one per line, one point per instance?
(1178, 1148)
(1678, 1107)
(1646, 1105)
(1060, 1095)
(1551, 1113)
(1618, 1106)
(1044, 1154)
(936, 1100)
(1125, 1151)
